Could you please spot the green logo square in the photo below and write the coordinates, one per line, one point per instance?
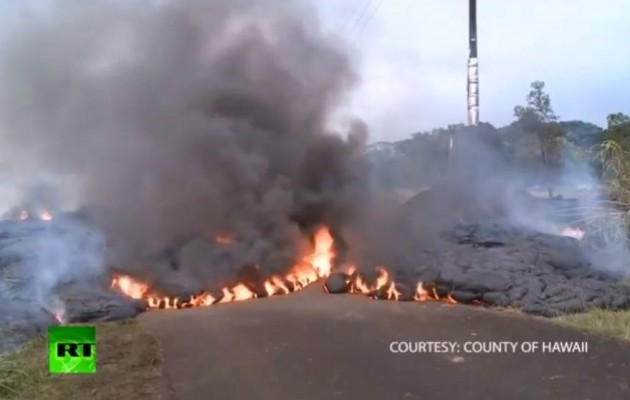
(72, 349)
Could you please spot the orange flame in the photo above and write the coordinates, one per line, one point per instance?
(385, 288)
(130, 287)
(224, 238)
(421, 294)
(392, 292)
(45, 215)
(316, 265)
(575, 233)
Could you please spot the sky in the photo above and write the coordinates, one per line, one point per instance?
(413, 53)
(411, 58)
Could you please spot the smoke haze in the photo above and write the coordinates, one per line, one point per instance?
(182, 118)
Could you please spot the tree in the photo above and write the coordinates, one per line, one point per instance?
(618, 130)
(617, 119)
(613, 159)
(538, 104)
(583, 135)
(538, 119)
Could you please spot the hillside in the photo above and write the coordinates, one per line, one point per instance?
(420, 160)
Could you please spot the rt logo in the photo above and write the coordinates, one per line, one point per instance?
(72, 349)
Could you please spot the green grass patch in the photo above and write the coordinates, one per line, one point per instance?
(128, 368)
(610, 323)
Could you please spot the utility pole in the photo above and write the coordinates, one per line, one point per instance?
(473, 65)
(472, 81)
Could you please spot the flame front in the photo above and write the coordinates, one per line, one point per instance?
(385, 288)
(316, 265)
(44, 215)
(224, 238)
(60, 317)
(575, 233)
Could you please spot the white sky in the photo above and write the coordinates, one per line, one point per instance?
(413, 59)
(412, 55)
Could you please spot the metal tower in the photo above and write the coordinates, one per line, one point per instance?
(473, 65)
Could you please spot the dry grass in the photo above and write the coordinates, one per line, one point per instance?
(610, 221)
(610, 323)
(128, 368)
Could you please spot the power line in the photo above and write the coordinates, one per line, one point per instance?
(366, 21)
(352, 26)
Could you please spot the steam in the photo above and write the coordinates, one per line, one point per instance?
(54, 254)
(582, 209)
(184, 119)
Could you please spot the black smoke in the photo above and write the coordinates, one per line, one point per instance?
(184, 120)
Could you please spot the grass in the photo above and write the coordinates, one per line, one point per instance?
(610, 218)
(609, 323)
(128, 368)
(610, 221)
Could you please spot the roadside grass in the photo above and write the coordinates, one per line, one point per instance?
(599, 321)
(128, 368)
(609, 323)
(609, 221)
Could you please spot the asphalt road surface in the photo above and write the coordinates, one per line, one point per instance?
(313, 346)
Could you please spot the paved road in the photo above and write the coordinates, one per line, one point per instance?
(313, 346)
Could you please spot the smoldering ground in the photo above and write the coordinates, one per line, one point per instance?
(479, 238)
(186, 119)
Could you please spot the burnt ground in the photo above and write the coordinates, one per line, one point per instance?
(538, 273)
(474, 257)
(474, 249)
(310, 346)
(29, 297)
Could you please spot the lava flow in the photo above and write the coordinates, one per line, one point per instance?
(44, 215)
(385, 288)
(316, 265)
(575, 233)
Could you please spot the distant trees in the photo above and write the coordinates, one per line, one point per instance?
(618, 129)
(537, 119)
(583, 135)
(614, 157)
(617, 119)
(537, 145)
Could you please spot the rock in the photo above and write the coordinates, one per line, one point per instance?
(479, 280)
(465, 297)
(407, 292)
(336, 283)
(495, 299)
(84, 304)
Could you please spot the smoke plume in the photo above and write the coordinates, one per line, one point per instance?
(185, 118)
